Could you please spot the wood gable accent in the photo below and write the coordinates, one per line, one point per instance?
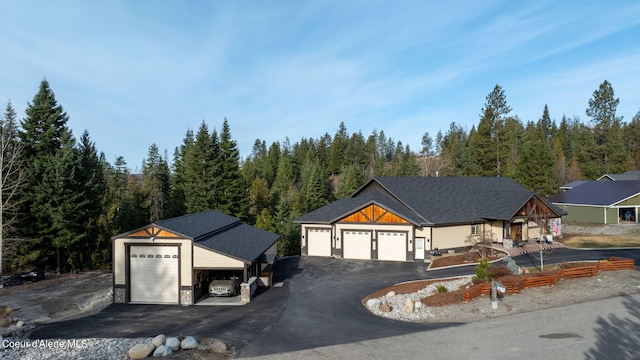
(373, 214)
(153, 231)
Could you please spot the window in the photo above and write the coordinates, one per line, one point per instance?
(158, 256)
(142, 256)
(175, 256)
(150, 256)
(475, 229)
(134, 255)
(167, 256)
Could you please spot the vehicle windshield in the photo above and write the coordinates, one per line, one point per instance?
(224, 277)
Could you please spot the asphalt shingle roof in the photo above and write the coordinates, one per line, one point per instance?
(601, 193)
(434, 200)
(241, 241)
(222, 233)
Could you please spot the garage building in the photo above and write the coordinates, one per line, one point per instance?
(172, 261)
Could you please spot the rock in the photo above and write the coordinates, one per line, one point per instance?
(391, 294)
(141, 351)
(158, 340)
(373, 303)
(4, 332)
(162, 350)
(408, 306)
(417, 305)
(189, 342)
(20, 323)
(212, 345)
(172, 343)
(385, 308)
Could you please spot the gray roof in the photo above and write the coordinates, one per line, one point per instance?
(573, 184)
(434, 200)
(240, 241)
(600, 193)
(222, 233)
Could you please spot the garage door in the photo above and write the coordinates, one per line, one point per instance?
(357, 244)
(319, 242)
(392, 246)
(154, 274)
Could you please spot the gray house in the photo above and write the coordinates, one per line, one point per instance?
(171, 261)
(403, 218)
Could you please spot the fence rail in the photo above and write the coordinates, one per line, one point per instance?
(515, 286)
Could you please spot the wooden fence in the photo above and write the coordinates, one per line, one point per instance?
(516, 286)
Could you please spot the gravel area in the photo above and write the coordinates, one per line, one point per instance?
(89, 349)
(568, 291)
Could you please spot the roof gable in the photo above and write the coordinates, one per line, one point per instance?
(434, 200)
(598, 193)
(373, 214)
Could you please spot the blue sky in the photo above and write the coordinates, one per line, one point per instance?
(134, 73)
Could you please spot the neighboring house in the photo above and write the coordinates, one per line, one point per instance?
(403, 218)
(628, 176)
(601, 202)
(172, 261)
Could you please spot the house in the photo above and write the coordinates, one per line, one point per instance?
(628, 176)
(604, 201)
(403, 218)
(172, 261)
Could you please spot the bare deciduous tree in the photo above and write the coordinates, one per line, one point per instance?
(12, 179)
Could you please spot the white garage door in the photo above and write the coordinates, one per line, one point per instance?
(357, 244)
(319, 242)
(392, 246)
(154, 274)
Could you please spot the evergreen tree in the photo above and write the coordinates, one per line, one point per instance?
(94, 250)
(632, 139)
(607, 129)
(535, 164)
(314, 189)
(284, 177)
(233, 190)
(43, 131)
(202, 171)
(177, 192)
(350, 181)
(489, 146)
(155, 183)
(337, 149)
(289, 243)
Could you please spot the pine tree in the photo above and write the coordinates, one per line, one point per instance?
(607, 129)
(313, 189)
(233, 194)
(202, 172)
(155, 182)
(94, 251)
(177, 192)
(350, 181)
(43, 131)
(489, 146)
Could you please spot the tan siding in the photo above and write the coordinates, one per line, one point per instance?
(451, 236)
(203, 258)
(118, 262)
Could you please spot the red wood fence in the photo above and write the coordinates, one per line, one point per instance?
(516, 286)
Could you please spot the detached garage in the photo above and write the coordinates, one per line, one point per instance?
(172, 261)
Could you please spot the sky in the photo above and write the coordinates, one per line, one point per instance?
(135, 73)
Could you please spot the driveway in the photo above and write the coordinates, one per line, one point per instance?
(318, 305)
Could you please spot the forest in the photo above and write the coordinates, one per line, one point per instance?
(62, 201)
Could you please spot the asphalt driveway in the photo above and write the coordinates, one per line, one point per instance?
(318, 305)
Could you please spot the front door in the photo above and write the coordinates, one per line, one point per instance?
(516, 232)
(419, 248)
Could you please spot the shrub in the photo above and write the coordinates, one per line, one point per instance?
(482, 271)
(441, 288)
(499, 271)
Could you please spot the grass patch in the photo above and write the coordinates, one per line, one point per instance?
(601, 241)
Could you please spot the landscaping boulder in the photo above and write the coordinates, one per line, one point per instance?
(162, 350)
(417, 305)
(373, 303)
(385, 308)
(173, 343)
(408, 306)
(189, 342)
(391, 294)
(159, 340)
(212, 345)
(141, 351)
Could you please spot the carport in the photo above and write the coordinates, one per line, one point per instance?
(172, 261)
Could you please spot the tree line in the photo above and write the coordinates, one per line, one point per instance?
(62, 201)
